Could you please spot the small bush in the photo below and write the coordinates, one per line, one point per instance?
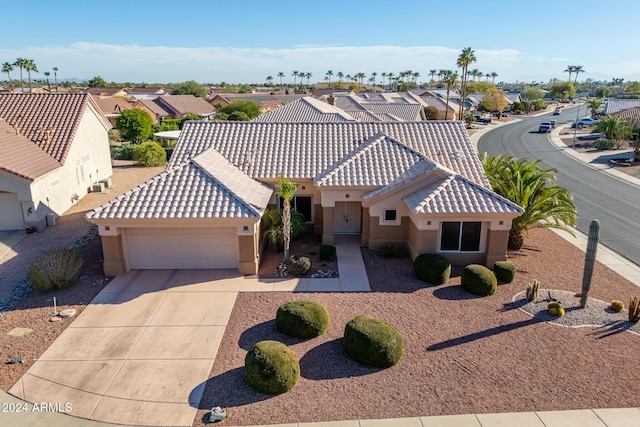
(390, 251)
(271, 367)
(327, 253)
(604, 144)
(169, 152)
(57, 269)
(302, 319)
(372, 342)
(149, 154)
(432, 268)
(504, 271)
(478, 280)
(617, 305)
(299, 265)
(122, 152)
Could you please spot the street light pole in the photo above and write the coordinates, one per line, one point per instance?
(575, 129)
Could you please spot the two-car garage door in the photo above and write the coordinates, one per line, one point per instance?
(151, 248)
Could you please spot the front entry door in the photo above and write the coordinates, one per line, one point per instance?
(346, 217)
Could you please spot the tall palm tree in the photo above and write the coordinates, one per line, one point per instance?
(47, 74)
(294, 74)
(487, 76)
(286, 190)
(569, 70)
(329, 74)
(415, 76)
(384, 79)
(269, 80)
(308, 75)
(534, 189)
(20, 63)
(466, 58)
(281, 76)
(441, 74)
(360, 77)
(8, 68)
(594, 104)
(474, 73)
(340, 76)
(373, 77)
(577, 69)
(493, 77)
(30, 66)
(433, 73)
(390, 76)
(450, 78)
(55, 77)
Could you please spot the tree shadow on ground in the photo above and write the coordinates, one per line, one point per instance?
(611, 329)
(328, 361)
(228, 389)
(264, 331)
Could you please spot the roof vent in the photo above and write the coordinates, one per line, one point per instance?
(16, 126)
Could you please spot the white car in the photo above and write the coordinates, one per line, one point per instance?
(587, 121)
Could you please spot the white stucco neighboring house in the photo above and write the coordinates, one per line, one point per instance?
(53, 148)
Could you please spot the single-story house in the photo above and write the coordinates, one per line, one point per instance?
(419, 185)
(53, 148)
(112, 108)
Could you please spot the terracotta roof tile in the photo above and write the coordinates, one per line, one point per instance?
(185, 104)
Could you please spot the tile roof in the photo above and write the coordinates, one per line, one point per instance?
(263, 150)
(103, 91)
(631, 114)
(614, 105)
(185, 104)
(376, 163)
(113, 106)
(456, 194)
(50, 121)
(152, 106)
(206, 186)
(379, 104)
(19, 156)
(305, 109)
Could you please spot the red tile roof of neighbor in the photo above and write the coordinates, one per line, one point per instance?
(47, 121)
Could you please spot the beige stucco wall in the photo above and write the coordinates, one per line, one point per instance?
(113, 258)
(249, 261)
(380, 235)
(327, 226)
(496, 246)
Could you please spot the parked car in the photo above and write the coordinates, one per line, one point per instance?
(587, 121)
(591, 137)
(544, 127)
(481, 119)
(553, 123)
(556, 112)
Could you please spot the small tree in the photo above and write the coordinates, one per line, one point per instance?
(495, 100)
(149, 154)
(97, 81)
(532, 93)
(286, 189)
(226, 112)
(562, 90)
(135, 125)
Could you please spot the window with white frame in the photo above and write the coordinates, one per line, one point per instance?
(459, 236)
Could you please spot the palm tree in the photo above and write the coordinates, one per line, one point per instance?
(20, 63)
(30, 66)
(384, 79)
(360, 77)
(450, 78)
(577, 69)
(390, 75)
(281, 76)
(55, 77)
(47, 74)
(534, 189)
(474, 73)
(433, 73)
(613, 127)
(329, 74)
(441, 74)
(493, 77)
(308, 75)
(373, 77)
(286, 190)
(294, 74)
(569, 70)
(8, 68)
(487, 76)
(340, 77)
(594, 104)
(415, 77)
(466, 58)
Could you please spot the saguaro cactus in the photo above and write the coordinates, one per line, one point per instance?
(589, 260)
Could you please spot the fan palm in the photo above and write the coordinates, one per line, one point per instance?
(55, 77)
(594, 104)
(523, 182)
(8, 68)
(466, 58)
(449, 78)
(20, 63)
(30, 66)
(613, 127)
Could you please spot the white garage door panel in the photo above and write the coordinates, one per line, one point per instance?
(150, 249)
(10, 212)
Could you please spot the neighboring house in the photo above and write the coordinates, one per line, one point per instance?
(156, 112)
(419, 185)
(614, 105)
(266, 102)
(106, 92)
(631, 115)
(431, 100)
(53, 147)
(307, 109)
(179, 106)
(388, 108)
(112, 108)
(137, 93)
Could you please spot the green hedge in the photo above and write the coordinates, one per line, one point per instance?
(302, 319)
(372, 342)
(271, 367)
(479, 280)
(432, 268)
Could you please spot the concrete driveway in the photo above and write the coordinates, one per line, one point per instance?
(141, 352)
(8, 239)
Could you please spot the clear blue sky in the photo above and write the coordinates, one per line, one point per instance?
(246, 41)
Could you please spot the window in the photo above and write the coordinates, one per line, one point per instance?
(390, 214)
(303, 205)
(460, 236)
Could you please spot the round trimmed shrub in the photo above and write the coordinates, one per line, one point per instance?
(57, 269)
(372, 342)
(327, 253)
(478, 280)
(504, 271)
(299, 265)
(302, 319)
(432, 268)
(149, 154)
(271, 367)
